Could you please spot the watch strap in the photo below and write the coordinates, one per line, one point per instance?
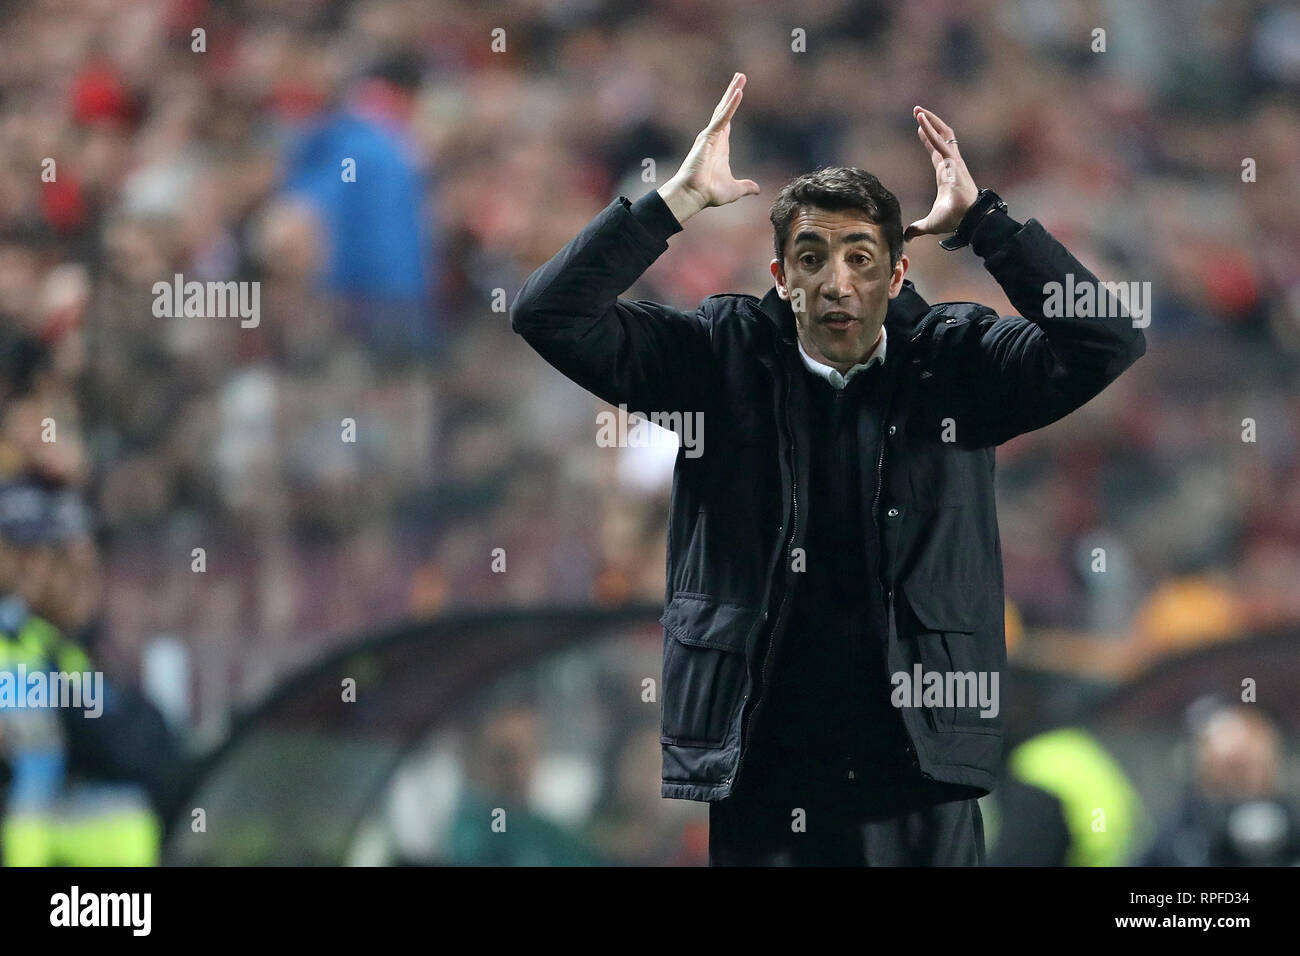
(985, 202)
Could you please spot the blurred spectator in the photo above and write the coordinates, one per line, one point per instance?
(1064, 800)
(494, 824)
(1235, 811)
(360, 170)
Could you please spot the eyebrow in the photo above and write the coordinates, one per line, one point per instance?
(809, 236)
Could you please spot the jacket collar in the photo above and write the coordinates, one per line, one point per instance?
(902, 320)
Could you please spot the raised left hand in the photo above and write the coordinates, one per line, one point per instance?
(957, 190)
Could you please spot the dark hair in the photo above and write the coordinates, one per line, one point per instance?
(837, 188)
(402, 70)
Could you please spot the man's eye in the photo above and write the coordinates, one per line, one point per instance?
(861, 259)
(808, 259)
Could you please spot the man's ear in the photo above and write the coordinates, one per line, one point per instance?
(778, 276)
(896, 280)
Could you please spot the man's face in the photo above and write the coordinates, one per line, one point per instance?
(837, 263)
(71, 595)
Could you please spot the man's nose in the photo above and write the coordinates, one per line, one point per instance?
(837, 284)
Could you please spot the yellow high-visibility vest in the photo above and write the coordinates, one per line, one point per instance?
(124, 832)
(1102, 810)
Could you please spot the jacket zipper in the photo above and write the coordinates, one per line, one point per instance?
(780, 614)
(854, 708)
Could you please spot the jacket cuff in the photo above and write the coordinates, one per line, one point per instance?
(994, 229)
(653, 213)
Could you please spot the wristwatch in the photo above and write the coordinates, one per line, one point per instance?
(986, 200)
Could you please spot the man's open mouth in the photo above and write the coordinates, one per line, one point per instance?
(838, 320)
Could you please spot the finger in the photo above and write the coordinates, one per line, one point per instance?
(917, 228)
(936, 138)
(726, 95)
(751, 187)
(737, 81)
(723, 115)
(951, 169)
(937, 123)
(935, 135)
(723, 121)
(935, 157)
(735, 101)
(926, 136)
(723, 118)
(921, 227)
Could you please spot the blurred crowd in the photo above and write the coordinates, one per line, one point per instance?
(389, 171)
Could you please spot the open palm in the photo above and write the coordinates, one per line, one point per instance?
(957, 190)
(705, 174)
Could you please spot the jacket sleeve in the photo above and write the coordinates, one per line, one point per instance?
(1034, 369)
(649, 356)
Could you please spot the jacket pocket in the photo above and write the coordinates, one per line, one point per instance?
(945, 606)
(703, 667)
(961, 679)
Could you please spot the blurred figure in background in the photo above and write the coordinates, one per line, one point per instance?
(34, 743)
(123, 764)
(1235, 811)
(86, 785)
(360, 171)
(494, 824)
(1062, 798)
(1065, 801)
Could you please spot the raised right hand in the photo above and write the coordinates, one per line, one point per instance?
(704, 178)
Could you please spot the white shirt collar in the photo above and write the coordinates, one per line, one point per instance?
(833, 376)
